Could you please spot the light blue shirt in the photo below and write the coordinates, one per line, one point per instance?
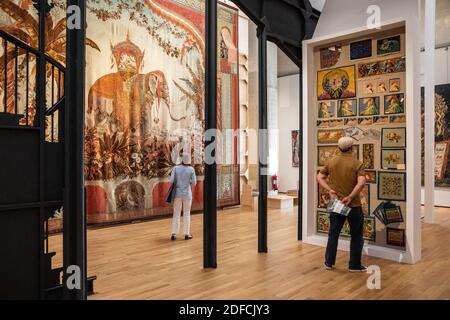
(184, 177)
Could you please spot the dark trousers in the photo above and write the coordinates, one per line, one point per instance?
(356, 221)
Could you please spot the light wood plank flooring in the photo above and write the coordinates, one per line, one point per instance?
(138, 261)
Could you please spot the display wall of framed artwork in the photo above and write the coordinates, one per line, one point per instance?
(393, 159)
(368, 156)
(361, 49)
(329, 136)
(394, 104)
(388, 45)
(327, 109)
(392, 186)
(393, 137)
(339, 83)
(369, 106)
(395, 237)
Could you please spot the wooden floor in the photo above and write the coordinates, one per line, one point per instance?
(138, 261)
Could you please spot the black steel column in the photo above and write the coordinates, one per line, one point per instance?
(74, 213)
(210, 183)
(300, 157)
(263, 139)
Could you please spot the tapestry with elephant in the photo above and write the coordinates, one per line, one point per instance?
(145, 101)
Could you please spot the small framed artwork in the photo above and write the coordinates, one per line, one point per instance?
(392, 186)
(329, 136)
(351, 122)
(330, 56)
(393, 159)
(394, 85)
(395, 237)
(323, 222)
(394, 103)
(327, 109)
(369, 156)
(388, 45)
(361, 49)
(393, 215)
(366, 121)
(295, 137)
(365, 199)
(369, 87)
(370, 229)
(369, 106)
(371, 176)
(338, 83)
(380, 120)
(441, 159)
(347, 108)
(393, 137)
(382, 87)
(397, 119)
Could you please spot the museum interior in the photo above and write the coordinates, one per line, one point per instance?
(92, 115)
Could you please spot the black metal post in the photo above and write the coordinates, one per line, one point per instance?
(263, 139)
(210, 182)
(74, 213)
(300, 157)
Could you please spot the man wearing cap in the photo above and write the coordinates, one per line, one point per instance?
(344, 178)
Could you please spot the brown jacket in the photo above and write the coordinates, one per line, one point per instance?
(343, 171)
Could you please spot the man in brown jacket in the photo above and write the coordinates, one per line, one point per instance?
(344, 178)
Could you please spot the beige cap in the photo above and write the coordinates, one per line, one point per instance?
(345, 143)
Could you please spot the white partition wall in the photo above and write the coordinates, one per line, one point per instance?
(411, 252)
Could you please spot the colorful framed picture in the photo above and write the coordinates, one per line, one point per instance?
(339, 83)
(371, 176)
(369, 87)
(394, 103)
(441, 159)
(369, 106)
(393, 138)
(369, 69)
(380, 120)
(351, 122)
(388, 45)
(393, 159)
(395, 237)
(370, 229)
(393, 215)
(334, 123)
(295, 137)
(365, 199)
(392, 186)
(394, 85)
(323, 197)
(327, 109)
(367, 121)
(382, 87)
(347, 108)
(369, 156)
(397, 119)
(323, 222)
(330, 56)
(361, 49)
(329, 136)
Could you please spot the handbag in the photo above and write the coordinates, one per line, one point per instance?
(170, 197)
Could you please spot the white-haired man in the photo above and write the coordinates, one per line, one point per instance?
(344, 178)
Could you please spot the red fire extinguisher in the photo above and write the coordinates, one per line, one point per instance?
(275, 182)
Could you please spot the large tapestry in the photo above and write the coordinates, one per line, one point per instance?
(145, 97)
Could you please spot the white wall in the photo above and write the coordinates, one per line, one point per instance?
(288, 116)
(272, 106)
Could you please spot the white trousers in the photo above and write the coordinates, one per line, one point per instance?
(178, 204)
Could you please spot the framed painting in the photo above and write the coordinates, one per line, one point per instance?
(351, 122)
(382, 87)
(441, 159)
(369, 106)
(339, 83)
(365, 200)
(329, 136)
(369, 69)
(361, 49)
(393, 137)
(323, 197)
(327, 109)
(369, 156)
(323, 222)
(394, 103)
(347, 108)
(370, 229)
(295, 137)
(393, 159)
(395, 237)
(371, 176)
(393, 215)
(392, 186)
(369, 87)
(330, 56)
(366, 121)
(397, 119)
(380, 120)
(388, 45)
(324, 153)
(394, 85)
